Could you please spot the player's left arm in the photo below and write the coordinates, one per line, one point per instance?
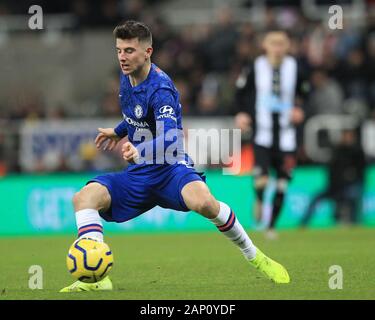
(166, 110)
(302, 92)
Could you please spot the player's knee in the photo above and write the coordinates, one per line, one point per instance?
(205, 205)
(91, 197)
(261, 182)
(80, 200)
(77, 198)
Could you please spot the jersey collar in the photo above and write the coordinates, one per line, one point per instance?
(143, 84)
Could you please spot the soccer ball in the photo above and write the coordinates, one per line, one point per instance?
(89, 260)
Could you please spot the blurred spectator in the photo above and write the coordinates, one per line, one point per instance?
(57, 113)
(110, 104)
(345, 180)
(321, 46)
(109, 13)
(80, 9)
(221, 43)
(26, 105)
(351, 72)
(185, 96)
(370, 71)
(132, 9)
(326, 96)
(349, 38)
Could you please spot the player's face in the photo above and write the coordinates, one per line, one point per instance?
(276, 44)
(132, 54)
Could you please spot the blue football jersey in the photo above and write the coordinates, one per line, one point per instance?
(152, 118)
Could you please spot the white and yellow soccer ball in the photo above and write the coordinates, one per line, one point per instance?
(89, 260)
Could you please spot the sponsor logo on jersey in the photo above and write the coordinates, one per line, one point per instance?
(166, 110)
(134, 123)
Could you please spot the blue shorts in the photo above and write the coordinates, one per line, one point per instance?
(134, 192)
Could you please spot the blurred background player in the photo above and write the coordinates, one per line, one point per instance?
(270, 94)
(150, 102)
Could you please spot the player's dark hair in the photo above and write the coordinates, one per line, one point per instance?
(277, 30)
(133, 29)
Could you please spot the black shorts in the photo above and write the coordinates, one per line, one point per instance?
(281, 161)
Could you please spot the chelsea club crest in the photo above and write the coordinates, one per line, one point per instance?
(138, 111)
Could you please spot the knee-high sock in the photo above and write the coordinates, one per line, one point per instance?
(259, 193)
(89, 224)
(276, 208)
(228, 224)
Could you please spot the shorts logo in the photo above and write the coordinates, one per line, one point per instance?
(138, 111)
(184, 162)
(166, 109)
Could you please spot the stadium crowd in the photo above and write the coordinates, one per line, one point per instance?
(205, 59)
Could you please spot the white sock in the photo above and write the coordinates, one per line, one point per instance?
(228, 224)
(89, 224)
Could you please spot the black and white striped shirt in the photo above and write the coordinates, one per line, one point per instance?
(268, 94)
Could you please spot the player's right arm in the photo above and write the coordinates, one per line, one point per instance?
(245, 99)
(107, 137)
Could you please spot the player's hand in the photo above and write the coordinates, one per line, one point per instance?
(107, 137)
(243, 121)
(297, 115)
(129, 152)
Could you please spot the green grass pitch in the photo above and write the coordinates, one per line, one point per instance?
(200, 266)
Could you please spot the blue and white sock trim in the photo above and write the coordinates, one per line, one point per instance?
(90, 228)
(229, 224)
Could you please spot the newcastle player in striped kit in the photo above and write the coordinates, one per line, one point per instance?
(270, 92)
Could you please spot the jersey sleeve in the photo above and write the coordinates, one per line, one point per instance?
(165, 106)
(245, 91)
(121, 129)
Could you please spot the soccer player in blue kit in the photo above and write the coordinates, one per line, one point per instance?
(159, 171)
